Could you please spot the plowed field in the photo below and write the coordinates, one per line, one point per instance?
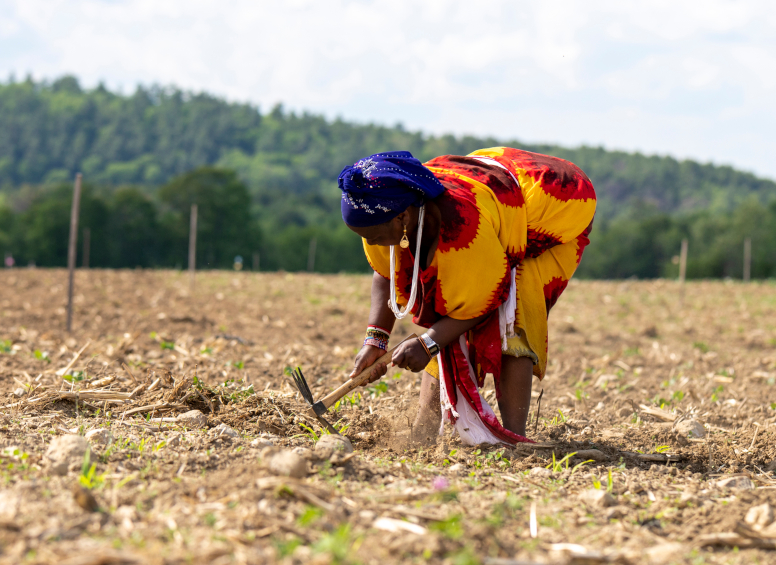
(655, 439)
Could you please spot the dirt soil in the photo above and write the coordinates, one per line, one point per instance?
(617, 474)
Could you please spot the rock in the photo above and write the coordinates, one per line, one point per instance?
(770, 467)
(193, 419)
(19, 392)
(65, 451)
(261, 442)
(99, 436)
(175, 441)
(456, 468)
(740, 482)
(664, 553)
(594, 454)
(9, 505)
(597, 497)
(288, 464)
(616, 512)
(304, 452)
(84, 498)
(625, 412)
(223, 430)
(690, 428)
(540, 472)
(330, 444)
(759, 516)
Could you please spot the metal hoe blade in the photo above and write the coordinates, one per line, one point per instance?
(304, 390)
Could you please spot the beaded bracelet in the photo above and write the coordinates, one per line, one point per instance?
(377, 337)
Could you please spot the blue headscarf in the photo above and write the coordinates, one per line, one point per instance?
(377, 189)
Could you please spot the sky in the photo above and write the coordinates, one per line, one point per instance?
(684, 78)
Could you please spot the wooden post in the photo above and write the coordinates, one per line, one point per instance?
(683, 262)
(71, 248)
(311, 255)
(747, 259)
(192, 244)
(87, 245)
(256, 259)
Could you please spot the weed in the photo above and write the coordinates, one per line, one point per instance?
(42, 355)
(311, 514)
(167, 345)
(449, 527)
(5, 346)
(336, 544)
(610, 483)
(210, 519)
(378, 388)
(89, 477)
(716, 393)
(702, 347)
(464, 556)
(310, 432)
(285, 548)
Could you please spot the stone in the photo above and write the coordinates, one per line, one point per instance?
(616, 512)
(304, 452)
(770, 467)
(759, 516)
(329, 444)
(664, 553)
(739, 482)
(540, 472)
(223, 430)
(262, 442)
(65, 451)
(690, 428)
(288, 464)
(594, 454)
(625, 412)
(99, 436)
(456, 468)
(193, 419)
(597, 497)
(19, 392)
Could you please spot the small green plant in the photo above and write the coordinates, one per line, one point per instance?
(285, 548)
(5, 346)
(42, 355)
(610, 483)
(76, 377)
(206, 351)
(596, 483)
(167, 344)
(89, 477)
(309, 432)
(210, 519)
(336, 544)
(311, 514)
(773, 405)
(678, 396)
(701, 346)
(377, 389)
(449, 527)
(716, 393)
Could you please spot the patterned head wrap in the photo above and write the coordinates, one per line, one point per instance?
(377, 189)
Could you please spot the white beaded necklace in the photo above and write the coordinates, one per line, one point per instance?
(395, 307)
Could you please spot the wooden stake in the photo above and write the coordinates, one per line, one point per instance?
(311, 255)
(683, 262)
(192, 244)
(71, 248)
(747, 259)
(87, 245)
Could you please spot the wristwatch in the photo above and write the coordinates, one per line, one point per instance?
(430, 345)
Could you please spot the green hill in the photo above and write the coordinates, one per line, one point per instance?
(289, 163)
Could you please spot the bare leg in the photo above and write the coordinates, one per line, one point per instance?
(515, 385)
(426, 425)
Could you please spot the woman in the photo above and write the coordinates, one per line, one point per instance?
(478, 249)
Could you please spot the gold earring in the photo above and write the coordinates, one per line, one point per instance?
(404, 243)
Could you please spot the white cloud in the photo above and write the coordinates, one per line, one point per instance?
(662, 76)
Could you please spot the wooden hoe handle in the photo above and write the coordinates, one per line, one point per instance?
(361, 378)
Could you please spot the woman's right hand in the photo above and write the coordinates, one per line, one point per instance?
(368, 355)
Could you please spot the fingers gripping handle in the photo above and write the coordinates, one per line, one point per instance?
(362, 377)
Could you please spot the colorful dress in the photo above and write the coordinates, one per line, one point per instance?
(514, 226)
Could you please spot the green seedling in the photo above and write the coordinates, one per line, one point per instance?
(378, 388)
(610, 483)
(89, 477)
(167, 345)
(716, 393)
(5, 346)
(42, 355)
(309, 432)
(449, 527)
(311, 514)
(700, 346)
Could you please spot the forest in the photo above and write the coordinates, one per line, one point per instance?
(265, 185)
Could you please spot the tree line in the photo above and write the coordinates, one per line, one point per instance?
(265, 183)
(131, 227)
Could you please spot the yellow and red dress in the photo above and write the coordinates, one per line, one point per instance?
(505, 212)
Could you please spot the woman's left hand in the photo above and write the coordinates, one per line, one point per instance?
(411, 355)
